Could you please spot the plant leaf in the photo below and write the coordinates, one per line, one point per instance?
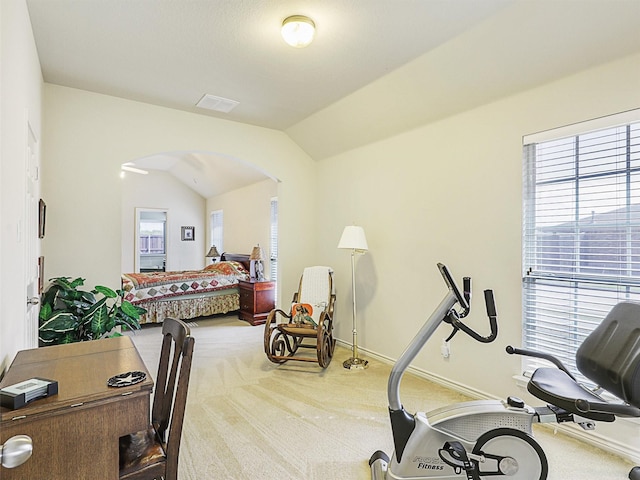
(70, 337)
(45, 312)
(128, 322)
(60, 322)
(99, 321)
(77, 282)
(87, 297)
(106, 291)
(129, 309)
(48, 336)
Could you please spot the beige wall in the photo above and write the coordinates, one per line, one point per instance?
(451, 192)
(88, 136)
(246, 217)
(185, 207)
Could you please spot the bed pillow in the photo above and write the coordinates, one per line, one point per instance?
(227, 268)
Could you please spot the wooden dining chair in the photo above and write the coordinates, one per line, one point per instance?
(153, 454)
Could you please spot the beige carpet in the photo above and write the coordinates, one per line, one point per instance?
(248, 418)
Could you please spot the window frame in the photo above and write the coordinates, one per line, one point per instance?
(554, 318)
(216, 229)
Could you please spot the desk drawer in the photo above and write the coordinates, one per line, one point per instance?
(77, 442)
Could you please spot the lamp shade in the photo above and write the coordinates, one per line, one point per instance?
(298, 30)
(257, 253)
(353, 238)
(213, 252)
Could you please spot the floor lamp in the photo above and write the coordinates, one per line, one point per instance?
(353, 238)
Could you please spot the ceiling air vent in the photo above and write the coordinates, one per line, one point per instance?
(219, 104)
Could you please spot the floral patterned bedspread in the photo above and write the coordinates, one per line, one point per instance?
(144, 287)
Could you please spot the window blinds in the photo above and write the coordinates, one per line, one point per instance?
(217, 230)
(581, 236)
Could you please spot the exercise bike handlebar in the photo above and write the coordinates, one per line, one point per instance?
(545, 356)
(493, 322)
(445, 312)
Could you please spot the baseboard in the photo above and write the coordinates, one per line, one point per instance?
(606, 443)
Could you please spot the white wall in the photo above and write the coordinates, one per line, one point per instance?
(88, 136)
(451, 192)
(161, 190)
(20, 101)
(246, 217)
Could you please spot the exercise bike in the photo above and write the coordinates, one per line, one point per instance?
(489, 439)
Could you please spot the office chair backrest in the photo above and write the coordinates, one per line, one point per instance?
(610, 355)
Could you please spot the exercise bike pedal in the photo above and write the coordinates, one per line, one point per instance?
(458, 459)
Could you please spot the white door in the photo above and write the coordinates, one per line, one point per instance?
(31, 238)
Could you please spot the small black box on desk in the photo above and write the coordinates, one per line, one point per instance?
(18, 395)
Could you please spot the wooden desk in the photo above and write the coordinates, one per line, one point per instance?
(75, 433)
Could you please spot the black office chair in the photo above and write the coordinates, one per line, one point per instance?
(153, 454)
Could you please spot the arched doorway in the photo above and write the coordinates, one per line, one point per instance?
(188, 186)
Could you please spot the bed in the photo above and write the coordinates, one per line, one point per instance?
(190, 293)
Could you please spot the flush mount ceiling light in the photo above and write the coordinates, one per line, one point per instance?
(298, 30)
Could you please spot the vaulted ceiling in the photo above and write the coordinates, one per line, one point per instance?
(375, 68)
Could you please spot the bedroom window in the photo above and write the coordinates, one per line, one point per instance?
(217, 230)
(581, 232)
(152, 235)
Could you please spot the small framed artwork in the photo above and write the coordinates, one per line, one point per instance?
(42, 217)
(188, 234)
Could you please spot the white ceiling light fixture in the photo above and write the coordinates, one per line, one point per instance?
(298, 30)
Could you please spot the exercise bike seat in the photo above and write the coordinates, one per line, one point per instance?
(610, 355)
(610, 358)
(557, 388)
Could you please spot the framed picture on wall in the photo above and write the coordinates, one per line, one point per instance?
(188, 234)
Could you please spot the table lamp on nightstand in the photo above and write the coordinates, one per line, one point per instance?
(213, 254)
(257, 269)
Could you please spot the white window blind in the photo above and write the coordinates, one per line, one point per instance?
(217, 230)
(581, 236)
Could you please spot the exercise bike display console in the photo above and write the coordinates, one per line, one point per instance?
(489, 439)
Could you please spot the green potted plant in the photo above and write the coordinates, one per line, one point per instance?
(69, 314)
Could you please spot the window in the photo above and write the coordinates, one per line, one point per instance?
(216, 230)
(152, 235)
(581, 234)
(151, 243)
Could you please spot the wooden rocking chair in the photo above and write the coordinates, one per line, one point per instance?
(307, 325)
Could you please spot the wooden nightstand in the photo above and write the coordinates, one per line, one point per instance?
(257, 299)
